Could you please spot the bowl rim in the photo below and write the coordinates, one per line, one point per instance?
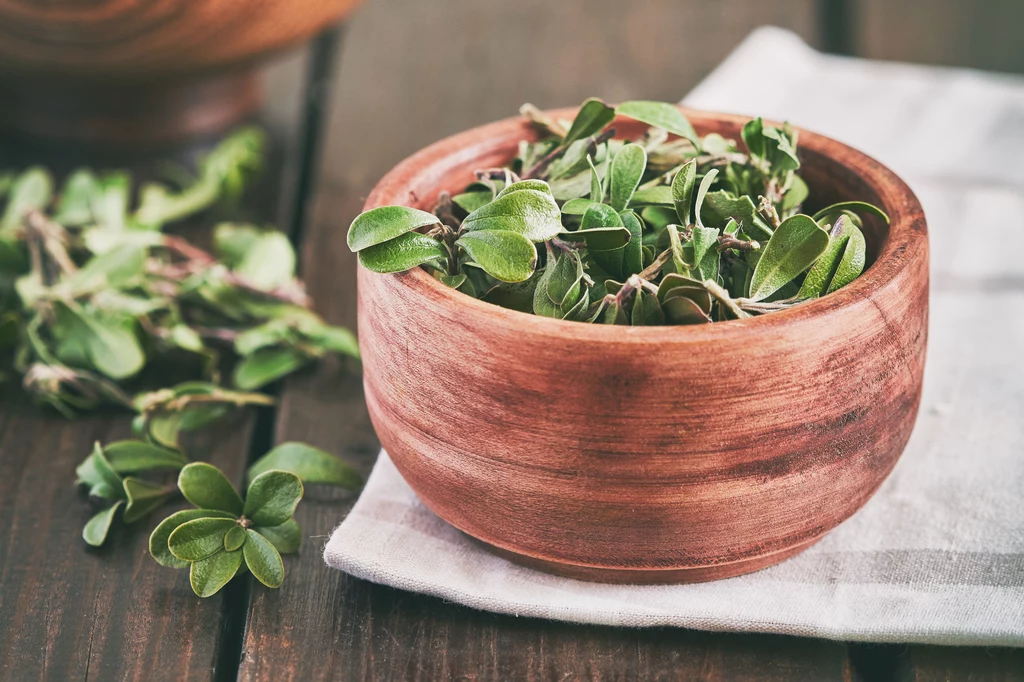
(907, 239)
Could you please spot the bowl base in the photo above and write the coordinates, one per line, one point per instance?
(650, 576)
(130, 114)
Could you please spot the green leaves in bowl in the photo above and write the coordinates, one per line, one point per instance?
(621, 219)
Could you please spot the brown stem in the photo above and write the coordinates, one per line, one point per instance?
(542, 120)
(654, 268)
(767, 210)
(727, 241)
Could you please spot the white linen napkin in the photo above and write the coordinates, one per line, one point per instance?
(937, 556)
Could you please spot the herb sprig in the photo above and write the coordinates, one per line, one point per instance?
(657, 230)
(92, 290)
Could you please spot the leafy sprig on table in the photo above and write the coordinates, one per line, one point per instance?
(92, 290)
(686, 230)
(223, 535)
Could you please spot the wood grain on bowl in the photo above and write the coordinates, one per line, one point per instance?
(649, 454)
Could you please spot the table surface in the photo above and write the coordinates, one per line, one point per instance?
(68, 612)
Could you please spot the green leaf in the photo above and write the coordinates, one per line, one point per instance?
(592, 117)
(580, 311)
(600, 215)
(683, 310)
(31, 190)
(660, 195)
(95, 531)
(505, 255)
(403, 253)
(453, 281)
(143, 498)
(272, 497)
(310, 464)
(603, 216)
(753, 137)
(470, 201)
(381, 224)
(796, 194)
(109, 345)
(781, 150)
(852, 262)
(269, 262)
(129, 456)
(721, 206)
(542, 303)
(109, 203)
(601, 238)
(263, 559)
(841, 263)
(578, 206)
(796, 244)
(660, 115)
(97, 473)
(114, 268)
(265, 366)
(632, 253)
(705, 252)
(198, 539)
(646, 310)
(682, 191)
(855, 206)
(674, 284)
(234, 538)
(628, 168)
(530, 183)
(209, 575)
(702, 191)
(158, 538)
(564, 284)
(531, 213)
(514, 295)
(206, 487)
(596, 183)
(286, 538)
(75, 206)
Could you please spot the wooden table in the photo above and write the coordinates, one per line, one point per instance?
(69, 613)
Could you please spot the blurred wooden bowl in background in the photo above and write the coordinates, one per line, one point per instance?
(143, 71)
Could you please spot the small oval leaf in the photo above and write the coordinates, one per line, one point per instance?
(386, 222)
(794, 246)
(402, 253)
(206, 487)
(505, 255)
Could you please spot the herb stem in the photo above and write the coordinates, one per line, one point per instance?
(724, 298)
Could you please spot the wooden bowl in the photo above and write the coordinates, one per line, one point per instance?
(124, 70)
(648, 454)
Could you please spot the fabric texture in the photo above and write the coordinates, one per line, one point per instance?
(937, 555)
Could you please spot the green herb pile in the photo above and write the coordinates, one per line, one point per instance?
(93, 292)
(91, 289)
(670, 228)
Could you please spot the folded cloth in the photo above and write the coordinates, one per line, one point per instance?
(937, 556)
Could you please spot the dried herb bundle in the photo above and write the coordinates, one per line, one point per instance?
(670, 228)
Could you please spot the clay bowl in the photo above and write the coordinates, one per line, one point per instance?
(112, 70)
(649, 454)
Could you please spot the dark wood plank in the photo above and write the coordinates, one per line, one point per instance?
(69, 612)
(394, 95)
(945, 664)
